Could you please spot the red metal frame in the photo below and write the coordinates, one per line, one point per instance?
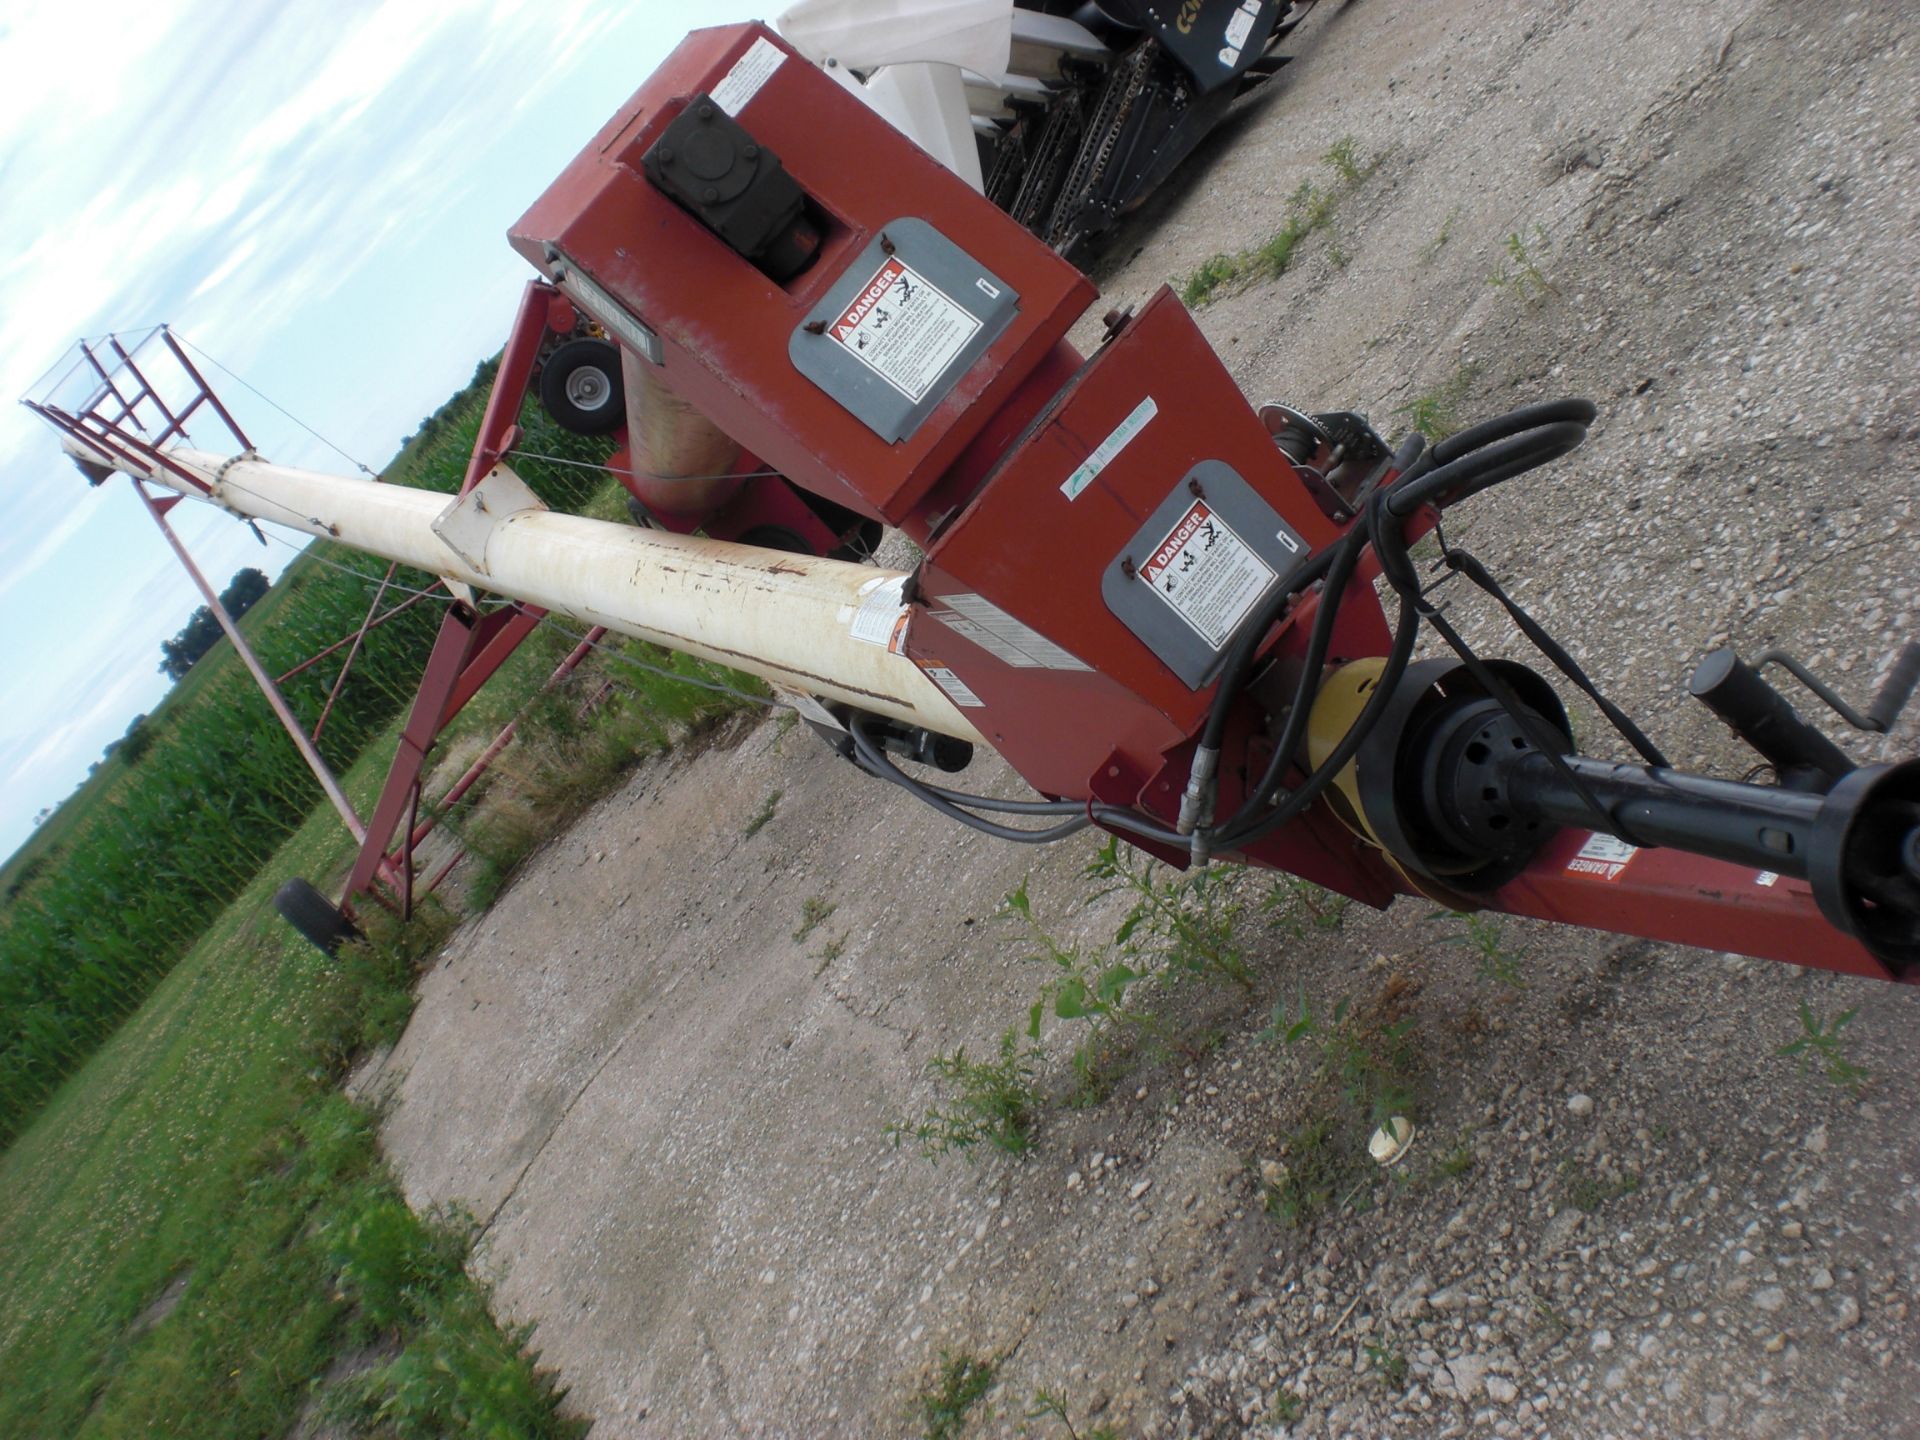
(469, 648)
(344, 641)
(1690, 900)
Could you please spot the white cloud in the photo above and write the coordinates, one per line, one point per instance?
(71, 523)
(315, 194)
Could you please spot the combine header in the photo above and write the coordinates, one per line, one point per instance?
(1159, 604)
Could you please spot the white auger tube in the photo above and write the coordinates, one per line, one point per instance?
(796, 621)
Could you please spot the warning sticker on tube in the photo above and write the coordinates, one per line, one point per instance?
(881, 618)
(1604, 857)
(904, 329)
(1207, 573)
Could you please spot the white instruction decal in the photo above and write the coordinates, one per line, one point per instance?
(1603, 856)
(957, 689)
(1000, 635)
(904, 329)
(1207, 574)
(1767, 877)
(1104, 453)
(749, 73)
(881, 618)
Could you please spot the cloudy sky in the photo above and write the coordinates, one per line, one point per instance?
(316, 194)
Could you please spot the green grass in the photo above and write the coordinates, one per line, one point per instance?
(992, 1100)
(202, 1152)
(1310, 208)
(205, 1141)
(1436, 413)
(942, 1409)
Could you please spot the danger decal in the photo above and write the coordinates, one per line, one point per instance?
(904, 329)
(1603, 857)
(1207, 573)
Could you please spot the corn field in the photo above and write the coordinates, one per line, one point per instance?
(205, 807)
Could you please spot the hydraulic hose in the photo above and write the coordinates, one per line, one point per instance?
(874, 761)
(1487, 466)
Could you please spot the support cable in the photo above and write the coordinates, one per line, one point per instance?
(358, 464)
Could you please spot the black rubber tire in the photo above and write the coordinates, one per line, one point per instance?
(317, 918)
(581, 388)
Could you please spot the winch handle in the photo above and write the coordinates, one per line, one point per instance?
(1896, 691)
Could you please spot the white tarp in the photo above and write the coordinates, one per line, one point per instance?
(915, 51)
(975, 35)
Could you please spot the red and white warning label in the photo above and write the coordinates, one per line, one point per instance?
(1603, 857)
(1207, 574)
(904, 329)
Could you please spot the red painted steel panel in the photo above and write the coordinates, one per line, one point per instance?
(724, 326)
(1689, 900)
(1039, 555)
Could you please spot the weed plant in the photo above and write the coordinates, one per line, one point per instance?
(1822, 1043)
(1343, 158)
(814, 912)
(992, 1101)
(1365, 1068)
(1587, 1190)
(1385, 1359)
(1442, 237)
(1298, 908)
(1436, 413)
(1049, 1406)
(1493, 959)
(1186, 922)
(1310, 208)
(1520, 271)
(764, 814)
(1081, 987)
(941, 1410)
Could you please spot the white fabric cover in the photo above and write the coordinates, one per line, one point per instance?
(915, 50)
(866, 34)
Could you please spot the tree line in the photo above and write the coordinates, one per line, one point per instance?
(202, 631)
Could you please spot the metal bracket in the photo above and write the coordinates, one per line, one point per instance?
(469, 522)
